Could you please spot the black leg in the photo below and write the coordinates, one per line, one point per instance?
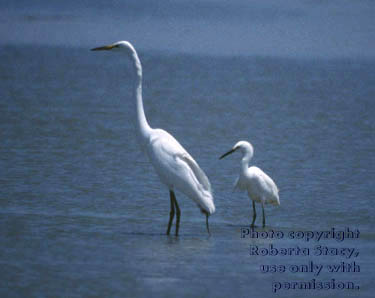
(254, 214)
(208, 229)
(178, 213)
(171, 213)
(264, 218)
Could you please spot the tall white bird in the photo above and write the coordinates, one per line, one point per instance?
(260, 187)
(173, 164)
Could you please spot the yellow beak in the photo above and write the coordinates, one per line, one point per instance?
(103, 48)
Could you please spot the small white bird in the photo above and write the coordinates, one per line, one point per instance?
(173, 164)
(260, 187)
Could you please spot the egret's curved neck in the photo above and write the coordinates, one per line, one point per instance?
(245, 161)
(142, 125)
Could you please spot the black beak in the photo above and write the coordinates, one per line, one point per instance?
(225, 154)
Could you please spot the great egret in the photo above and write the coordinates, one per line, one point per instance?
(173, 164)
(260, 187)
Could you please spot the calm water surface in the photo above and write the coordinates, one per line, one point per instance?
(84, 214)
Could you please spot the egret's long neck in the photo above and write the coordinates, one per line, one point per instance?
(245, 162)
(141, 122)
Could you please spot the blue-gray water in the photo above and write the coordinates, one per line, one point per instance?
(84, 214)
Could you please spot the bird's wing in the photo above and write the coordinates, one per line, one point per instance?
(264, 185)
(176, 168)
(198, 172)
(169, 146)
(200, 188)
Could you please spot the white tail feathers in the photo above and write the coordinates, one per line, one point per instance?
(203, 196)
(207, 203)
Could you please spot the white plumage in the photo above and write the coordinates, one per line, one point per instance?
(173, 164)
(178, 170)
(259, 186)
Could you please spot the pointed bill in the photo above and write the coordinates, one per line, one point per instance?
(225, 154)
(103, 48)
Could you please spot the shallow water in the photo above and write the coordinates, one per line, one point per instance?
(83, 212)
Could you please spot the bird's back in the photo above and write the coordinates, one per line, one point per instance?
(261, 187)
(178, 170)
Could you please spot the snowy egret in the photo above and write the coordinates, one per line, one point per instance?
(260, 187)
(173, 164)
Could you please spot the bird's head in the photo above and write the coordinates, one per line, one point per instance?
(124, 47)
(244, 147)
